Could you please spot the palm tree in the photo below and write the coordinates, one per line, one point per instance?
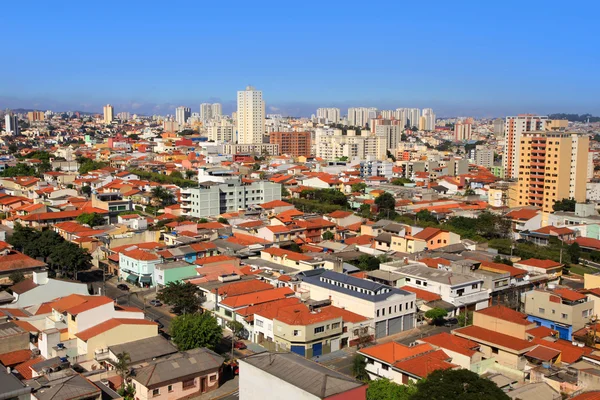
(162, 197)
(122, 366)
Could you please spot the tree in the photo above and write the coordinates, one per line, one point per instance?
(574, 252)
(189, 174)
(436, 315)
(222, 220)
(294, 247)
(87, 190)
(176, 175)
(182, 297)
(389, 155)
(237, 330)
(127, 392)
(122, 366)
(16, 277)
(69, 259)
(162, 197)
(465, 319)
(191, 331)
(284, 191)
(385, 202)
(457, 384)
(359, 187)
(400, 181)
(385, 389)
(469, 192)
(366, 262)
(134, 136)
(91, 219)
(327, 235)
(564, 205)
(13, 148)
(86, 165)
(359, 368)
(426, 216)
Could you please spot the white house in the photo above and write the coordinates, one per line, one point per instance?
(133, 221)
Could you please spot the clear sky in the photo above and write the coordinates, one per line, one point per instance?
(482, 58)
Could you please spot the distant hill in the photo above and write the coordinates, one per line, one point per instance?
(575, 117)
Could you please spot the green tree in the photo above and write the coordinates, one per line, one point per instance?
(294, 247)
(69, 258)
(127, 392)
(222, 220)
(189, 174)
(389, 155)
(385, 389)
(122, 366)
(191, 331)
(86, 165)
(457, 384)
(465, 319)
(182, 297)
(162, 197)
(176, 175)
(564, 205)
(426, 216)
(400, 181)
(359, 368)
(13, 148)
(436, 314)
(91, 219)
(359, 187)
(574, 252)
(469, 192)
(366, 262)
(385, 202)
(327, 235)
(284, 191)
(16, 277)
(87, 190)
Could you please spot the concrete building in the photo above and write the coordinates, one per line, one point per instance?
(221, 131)
(260, 149)
(34, 116)
(331, 144)
(484, 155)
(210, 111)
(552, 167)
(360, 116)
(11, 124)
(328, 115)
(182, 114)
(294, 144)
(429, 120)
(391, 310)
(287, 376)
(514, 127)
(109, 114)
(498, 127)
(250, 116)
(212, 199)
(462, 132)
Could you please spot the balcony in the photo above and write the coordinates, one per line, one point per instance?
(101, 354)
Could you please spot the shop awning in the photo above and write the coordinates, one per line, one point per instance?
(146, 279)
(133, 278)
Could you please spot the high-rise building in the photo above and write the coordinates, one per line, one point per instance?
(499, 127)
(216, 110)
(484, 156)
(513, 129)
(205, 111)
(462, 131)
(554, 167)
(220, 131)
(34, 116)
(182, 114)
(294, 144)
(124, 116)
(109, 114)
(429, 123)
(11, 124)
(360, 116)
(329, 115)
(392, 133)
(250, 116)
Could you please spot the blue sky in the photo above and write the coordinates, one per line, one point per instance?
(482, 58)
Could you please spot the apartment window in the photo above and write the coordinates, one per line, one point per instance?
(407, 279)
(383, 312)
(377, 313)
(296, 332)
(228, 313)
(384, 367)
(390, 310)
(475, 286)
(319, 329)
(460, 292)
(170, 388)
(564, 316)
(418, 282)
(335, 325)
(155, 392)
(541, 310)
(259, 323)
(553, 311)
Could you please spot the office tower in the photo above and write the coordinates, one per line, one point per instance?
(499, 127)
(109, 114)
(514, 128)
(205, 111)
(360, 116)
(182, 114)
(554, 167)
(429, 124)
(294, 144)
(11, 124)
(330, 115)
(462, 131)
(34, 116)
(250, 116)
(216, 110)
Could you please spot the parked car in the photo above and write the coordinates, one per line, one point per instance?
(451, 322)
(240, 345)
(122, 286)
(155, 303)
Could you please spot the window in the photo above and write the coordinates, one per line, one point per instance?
(259, 323)
(377, 313)
(335, 325)
(564, 316)
(384, 367)
(213, 378)
(475, 286)
(170, 388)
(189, 383)
(541, 310)
(460, 292)
(155, 392)
(296, 332)
(228, 313)
(319, 329)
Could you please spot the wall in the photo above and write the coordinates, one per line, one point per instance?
(256, 384)
(18, 341)
(177, 390)
(90, 318)
(118, 335)
(501, 326)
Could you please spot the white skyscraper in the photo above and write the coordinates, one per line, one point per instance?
(11, 124)
(329, 114)
(360, 116)
(216, 110)
(250, 116)
(182, 114)
(429, 119)
(205, 111)
(413, 116)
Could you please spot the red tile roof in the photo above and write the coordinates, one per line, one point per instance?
(76, 303)
(482, 335)
(24, 286)
(213, 259)
(542, 332)
(422, 294)
(243, 287)
(257, 298)
(506, 314)
(140, 255)
(543, 353)
(291, 255)
(588, 242)
(569, 294)
(111, 324)
(360, 240)
(275, 203)
(422, 365)
(524, 214)
(593, 395)
(339, 214)
(15, 261)
(391, 352)
(454, 343)
(537, 263)
(13, 358)
(427, 233)
(569, 353)
(25, 368)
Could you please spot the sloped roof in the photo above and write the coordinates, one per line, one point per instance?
(111, 324)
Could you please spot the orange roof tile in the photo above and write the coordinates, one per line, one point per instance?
(569, 294)
(15, 261)
(243, 287)
(292, 255)
(506, 314)
(213, 259)
(422, 294)
(535, 262)
(13, 358)
(483, 335)
(454, 343)
(111, 324)
(422, 365)
(257, 298)
(25, 368)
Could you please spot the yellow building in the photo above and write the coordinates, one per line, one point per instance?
(109, 114)
(553, 166)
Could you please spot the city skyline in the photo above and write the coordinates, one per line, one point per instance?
(484, 68)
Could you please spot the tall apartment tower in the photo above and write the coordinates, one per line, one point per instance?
(250, 116)
(329, 114)
(462, 131)
(205, 111)
(11, 124)
(552, 167)
(109, 114)
(429, 117)
(360, 116)
(216, 110)
(182, 114)
(514, 128)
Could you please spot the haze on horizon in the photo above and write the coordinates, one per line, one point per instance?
(473, 58)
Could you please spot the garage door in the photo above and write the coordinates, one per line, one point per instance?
(317, 349)
(395, 325)
(335, 344)
(409, 322)
(380, 329)
(299, 350)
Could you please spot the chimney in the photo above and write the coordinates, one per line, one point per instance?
(40, 277)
